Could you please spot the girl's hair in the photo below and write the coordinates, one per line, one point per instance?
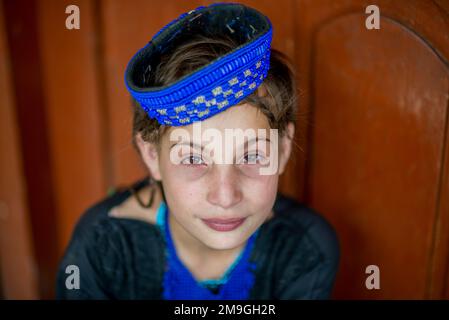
(276, 97)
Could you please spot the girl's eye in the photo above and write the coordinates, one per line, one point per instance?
(253, 158)
(193, 160)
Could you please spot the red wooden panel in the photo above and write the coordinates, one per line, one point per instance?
(17, 261)
(438, 286)
(29, 104)
(380, 104)
(73, 111)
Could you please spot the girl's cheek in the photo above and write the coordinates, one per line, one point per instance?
(250, 171)
(253, 179)
(254, 171)
(186, 172)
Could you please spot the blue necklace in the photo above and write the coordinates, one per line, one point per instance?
(179, 283)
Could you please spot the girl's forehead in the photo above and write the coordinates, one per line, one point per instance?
(243, 116)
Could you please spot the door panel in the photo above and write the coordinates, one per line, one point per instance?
(377, 141)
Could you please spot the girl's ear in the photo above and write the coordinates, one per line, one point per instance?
(150, 156)
(286, 146)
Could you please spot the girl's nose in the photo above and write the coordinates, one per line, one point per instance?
(224, 186)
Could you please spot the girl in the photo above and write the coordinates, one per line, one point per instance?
(198, 227)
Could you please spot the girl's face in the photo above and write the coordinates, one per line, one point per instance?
(220, 204)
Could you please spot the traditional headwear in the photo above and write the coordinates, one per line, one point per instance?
(211, 89)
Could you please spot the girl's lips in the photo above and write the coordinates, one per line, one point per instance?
(224, 224)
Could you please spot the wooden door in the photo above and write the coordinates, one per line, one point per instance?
(377, 148)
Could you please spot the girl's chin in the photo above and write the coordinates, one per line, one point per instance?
(224, 241)
(220, 246)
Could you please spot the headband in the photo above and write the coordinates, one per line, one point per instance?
(215, 87)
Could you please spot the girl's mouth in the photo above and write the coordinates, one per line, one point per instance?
(224, 224)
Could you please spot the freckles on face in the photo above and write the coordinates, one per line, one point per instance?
(261, 188)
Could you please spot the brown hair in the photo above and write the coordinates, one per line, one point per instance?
(276, 97)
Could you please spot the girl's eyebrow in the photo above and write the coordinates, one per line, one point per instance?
(256, 139)
(192, 144)
(245, 145)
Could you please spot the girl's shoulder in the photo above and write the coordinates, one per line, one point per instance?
(100, 226)
(299, 250)
(296, 223)
(107, 250)
(120, 203)
(297, 218)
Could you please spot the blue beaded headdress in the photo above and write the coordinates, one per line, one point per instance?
(211, 89)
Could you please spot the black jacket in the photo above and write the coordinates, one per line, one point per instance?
(297, 255)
